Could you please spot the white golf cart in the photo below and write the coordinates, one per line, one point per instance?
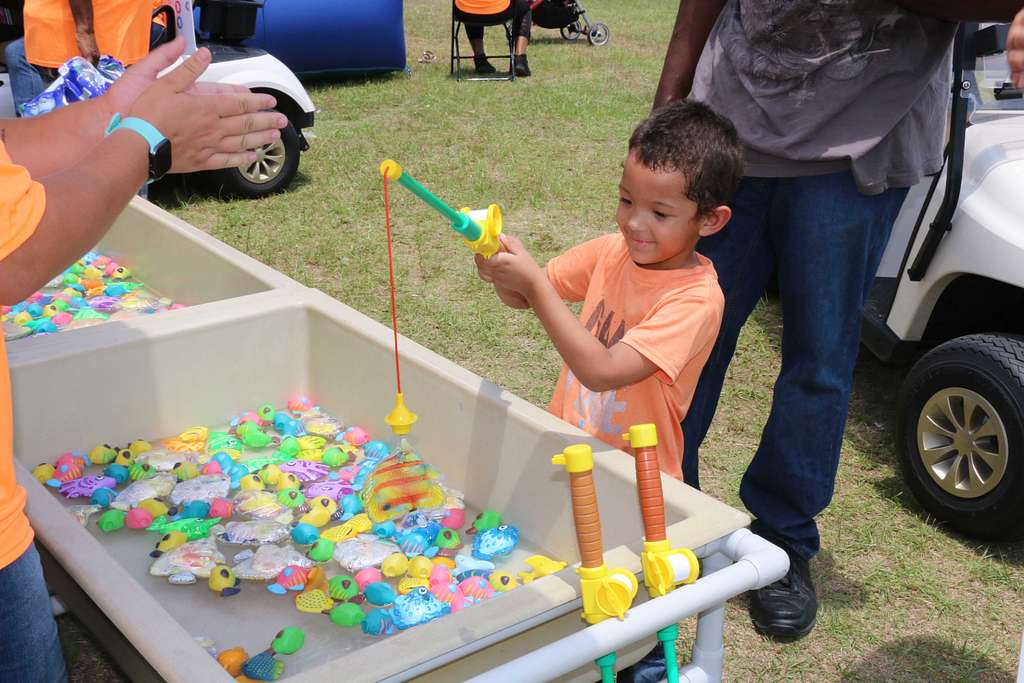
(952, 281)
(226, 23)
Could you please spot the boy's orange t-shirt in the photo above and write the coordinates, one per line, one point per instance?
(121, 28)
(22, 203)
(671, 317)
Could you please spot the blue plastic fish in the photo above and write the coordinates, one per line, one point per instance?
(286, 425)
(466, 567)
(416, 542)
(378, 622)
(417, 607)
(500, 540)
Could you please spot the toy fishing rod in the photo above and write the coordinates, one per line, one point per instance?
(606, 592)
(665, 567)
(479, 229)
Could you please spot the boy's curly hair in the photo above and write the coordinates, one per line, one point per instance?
(691, 138)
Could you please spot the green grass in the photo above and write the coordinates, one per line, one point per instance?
(901, 598)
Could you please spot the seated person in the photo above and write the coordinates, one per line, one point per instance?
(522, 20)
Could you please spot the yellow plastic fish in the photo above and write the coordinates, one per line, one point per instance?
(542, 566)
(360, 524)
(409, 584)
(192, 440)
(312, 455)
(313, 602)
(400, 484)
(311, 442)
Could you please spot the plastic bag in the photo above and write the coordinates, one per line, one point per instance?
(78, 80)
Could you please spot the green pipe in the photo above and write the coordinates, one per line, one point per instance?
(461, 223)
(668, 636)
(607, 666)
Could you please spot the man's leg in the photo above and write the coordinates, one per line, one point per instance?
(830, 238)
(744, 258)
(26, 81)
(29, 645)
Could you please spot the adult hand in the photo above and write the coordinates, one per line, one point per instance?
(209, 127)
(512, 270)
(1015, 50)
(87, 46)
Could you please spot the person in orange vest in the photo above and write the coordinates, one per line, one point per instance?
(57, 30)
(64, 177)
(522, 20)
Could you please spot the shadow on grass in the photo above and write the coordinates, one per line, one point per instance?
(835, 588)
(180, 190)
(85, 660)
(926, 658)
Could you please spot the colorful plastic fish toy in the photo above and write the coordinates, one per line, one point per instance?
(466, 566)
(540, 566)
(193, 528)
(305, 470)
(476, 588)
(334, 489)
(416, 542)
(417, 607)
(495, 542)
(401, 484)
(192, 440)
(374, 453)
(378, 622)
(292, 578)
(84, 487)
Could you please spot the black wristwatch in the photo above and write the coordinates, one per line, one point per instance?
(159, 145)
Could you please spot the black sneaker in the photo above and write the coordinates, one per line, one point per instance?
(787, 609)
(522, 66)
(483, 66)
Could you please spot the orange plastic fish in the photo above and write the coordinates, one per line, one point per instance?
(400, 484)
(191, 440)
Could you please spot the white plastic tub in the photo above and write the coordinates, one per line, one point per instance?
(174, 260)
(155, 377)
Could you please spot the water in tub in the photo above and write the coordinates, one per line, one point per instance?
(329, 461)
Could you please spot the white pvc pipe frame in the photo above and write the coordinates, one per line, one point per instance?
(732, 565)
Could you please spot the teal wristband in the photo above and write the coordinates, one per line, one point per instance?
(159, 145)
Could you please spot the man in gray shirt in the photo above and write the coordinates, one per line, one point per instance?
(840, 105)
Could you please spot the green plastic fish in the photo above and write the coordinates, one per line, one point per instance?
(252, 436)
(192, 527)
(257, 464)
(89, 314)
(222, 441)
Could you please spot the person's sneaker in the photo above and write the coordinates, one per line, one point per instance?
(787, 609)
(650, 669)
(522, 66)
(483, 66)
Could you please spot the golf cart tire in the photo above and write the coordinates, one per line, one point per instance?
(233, 183)
(991, 366)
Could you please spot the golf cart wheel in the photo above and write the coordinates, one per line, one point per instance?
(572, 32)
(598, 35)
(272, 172)
(962, 434)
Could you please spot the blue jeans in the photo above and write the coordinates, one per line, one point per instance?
(26, 81)
(824, 239)
(29, 647)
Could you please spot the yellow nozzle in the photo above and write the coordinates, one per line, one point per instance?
(642, 436)
(578, 458)
(606, 592)
(666, 567)
(400, 419)
(488, 244)
(391, 169)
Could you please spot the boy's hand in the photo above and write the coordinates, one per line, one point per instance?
(511, 299)
(512, 269)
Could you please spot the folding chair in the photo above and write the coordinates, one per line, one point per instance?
(460, 18)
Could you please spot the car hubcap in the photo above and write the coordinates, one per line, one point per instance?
(268, 164)
(962, 442)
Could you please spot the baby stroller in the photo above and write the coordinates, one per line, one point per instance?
(571, 20)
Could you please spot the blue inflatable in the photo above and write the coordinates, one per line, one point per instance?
(331, 37)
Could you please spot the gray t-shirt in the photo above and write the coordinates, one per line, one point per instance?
(818, 86)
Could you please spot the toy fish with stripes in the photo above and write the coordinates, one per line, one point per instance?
(400, 484)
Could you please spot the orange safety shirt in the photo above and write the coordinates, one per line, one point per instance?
(121, 28)
(482, 6)
(22, 202)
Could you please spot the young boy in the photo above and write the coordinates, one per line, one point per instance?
(651, 304)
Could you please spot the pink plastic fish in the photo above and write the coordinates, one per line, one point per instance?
(476, 588)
